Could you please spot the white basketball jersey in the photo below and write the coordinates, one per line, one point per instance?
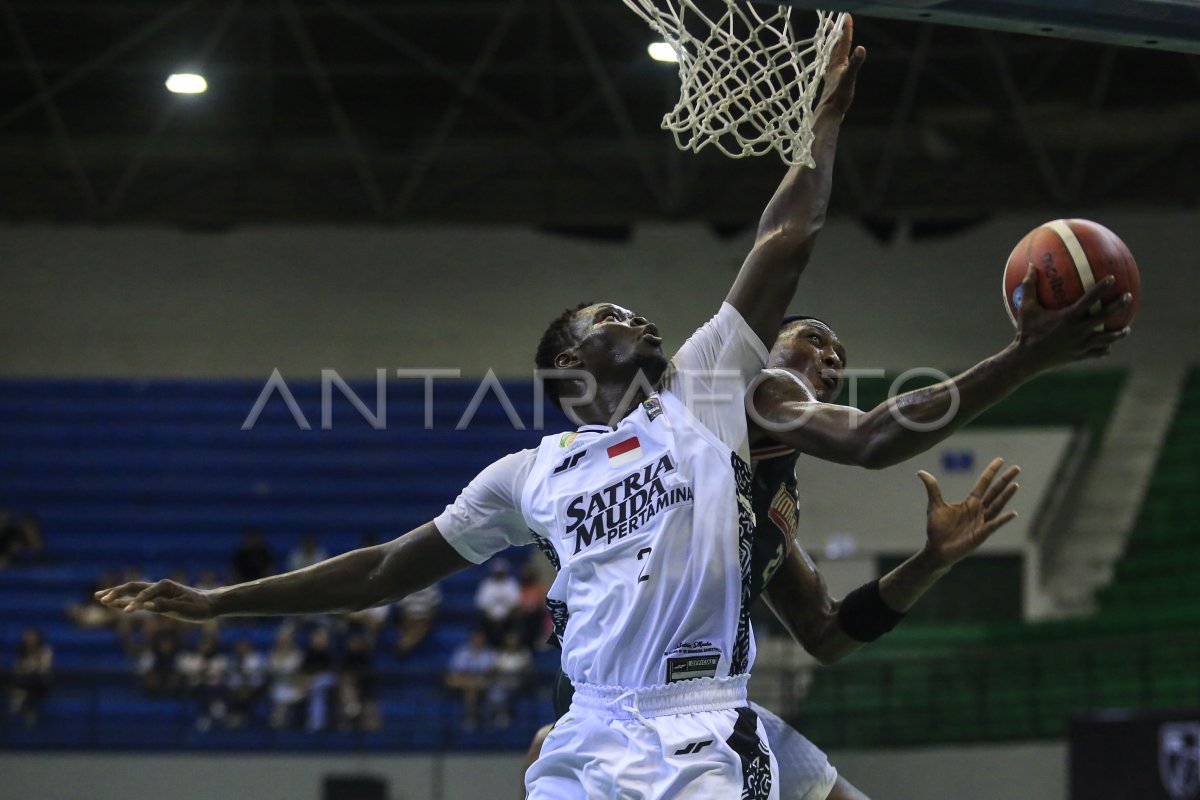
(649, 524)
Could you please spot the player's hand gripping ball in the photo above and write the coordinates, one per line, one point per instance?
(1072, 255)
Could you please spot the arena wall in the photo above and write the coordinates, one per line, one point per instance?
(147, 302)
(1033, 771)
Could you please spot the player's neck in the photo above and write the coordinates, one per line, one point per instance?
(612, 404)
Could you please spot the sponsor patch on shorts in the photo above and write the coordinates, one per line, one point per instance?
(688, 667)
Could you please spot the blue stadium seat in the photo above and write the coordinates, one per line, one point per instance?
(159, 475)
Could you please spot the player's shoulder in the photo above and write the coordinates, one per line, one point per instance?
(509, 470)
(782, 384)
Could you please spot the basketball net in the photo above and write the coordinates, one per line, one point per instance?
(747, 83)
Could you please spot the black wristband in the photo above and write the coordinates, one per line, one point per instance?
(864, 616)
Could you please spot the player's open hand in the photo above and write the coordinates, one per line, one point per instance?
(1052, 338)
(955, 530)
(164, 597)
(837, 93)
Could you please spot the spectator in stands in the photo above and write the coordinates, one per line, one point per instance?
(253, 559)
(356, 686)
(417, 613)
(19, 539)
(533, 621)
(31, 676)
(305, 554)
(513, 675)
(369, 622)
(202, 669)
(203, 672)
(283, 666)
(158, 663)
(497, 599)
(89, 614)
(320, 679)
(245, 683)
(470, 673)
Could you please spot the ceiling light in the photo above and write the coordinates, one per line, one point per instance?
(661, 51)
(186, 83)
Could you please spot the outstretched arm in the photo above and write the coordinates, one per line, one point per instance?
(362, 578)
(789, 225)
(831, 629)
(915, 421)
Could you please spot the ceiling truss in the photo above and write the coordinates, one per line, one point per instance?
(541, 112)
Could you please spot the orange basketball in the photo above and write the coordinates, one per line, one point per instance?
(1071, 256)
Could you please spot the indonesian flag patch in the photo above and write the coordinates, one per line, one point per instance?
(625, 452)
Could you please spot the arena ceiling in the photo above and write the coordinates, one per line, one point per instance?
(543, 112)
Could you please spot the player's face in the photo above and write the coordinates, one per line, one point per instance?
(611, 338)
(814, 351)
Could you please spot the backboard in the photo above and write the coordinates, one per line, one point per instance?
(1159, 24)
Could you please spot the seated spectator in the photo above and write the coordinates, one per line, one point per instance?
(417, 613)
(369, 621)
(158, 663)
(252, 559)
(305, 554)
(19, 539)
(283, 666)
(497, 599)
(203, 670)
(31, 676)
(90, 615)
(513, 675)
(356, 686)
(245, 682)
(470, 673)
(533, 620)
(320, 678)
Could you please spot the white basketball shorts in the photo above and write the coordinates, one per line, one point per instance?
(692, 740)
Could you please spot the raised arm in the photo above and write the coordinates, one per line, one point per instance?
(362, 578)
(915, 421)
(832, 629)
(789, 225)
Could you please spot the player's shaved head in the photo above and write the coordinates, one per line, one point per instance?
(558, 336)
(794, 319)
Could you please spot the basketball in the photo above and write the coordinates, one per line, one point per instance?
(1071, 256)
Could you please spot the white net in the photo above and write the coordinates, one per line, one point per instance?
(748, 83)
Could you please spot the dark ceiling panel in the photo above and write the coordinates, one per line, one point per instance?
(389, 112)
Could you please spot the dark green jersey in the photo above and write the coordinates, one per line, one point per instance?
(774, 497)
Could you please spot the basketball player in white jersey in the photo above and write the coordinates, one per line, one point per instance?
(646, 510)
(794, 394)
(953, 530)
